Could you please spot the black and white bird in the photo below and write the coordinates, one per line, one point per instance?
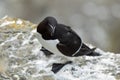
(61, 40)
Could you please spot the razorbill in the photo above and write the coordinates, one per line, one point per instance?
(61, 40)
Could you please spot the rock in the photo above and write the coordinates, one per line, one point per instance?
(21, 58)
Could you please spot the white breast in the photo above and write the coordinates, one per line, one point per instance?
(50, 45)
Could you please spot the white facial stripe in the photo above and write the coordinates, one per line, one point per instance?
(53, 28)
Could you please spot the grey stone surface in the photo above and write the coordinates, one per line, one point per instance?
(21, 58)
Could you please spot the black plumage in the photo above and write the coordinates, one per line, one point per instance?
(69, 45)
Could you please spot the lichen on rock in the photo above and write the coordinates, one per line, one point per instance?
(21, 58)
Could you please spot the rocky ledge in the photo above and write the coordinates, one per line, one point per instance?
(21, 58)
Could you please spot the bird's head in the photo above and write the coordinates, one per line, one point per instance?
(47, 27)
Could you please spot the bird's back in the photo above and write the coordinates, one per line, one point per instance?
(69, 41)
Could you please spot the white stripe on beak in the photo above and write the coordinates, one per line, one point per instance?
(53, 28)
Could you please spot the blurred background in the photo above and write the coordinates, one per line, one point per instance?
(96, 21)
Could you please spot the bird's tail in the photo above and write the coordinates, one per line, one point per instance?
(85, 50)
(92, 52)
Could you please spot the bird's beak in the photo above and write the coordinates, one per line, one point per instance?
(51, 29)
